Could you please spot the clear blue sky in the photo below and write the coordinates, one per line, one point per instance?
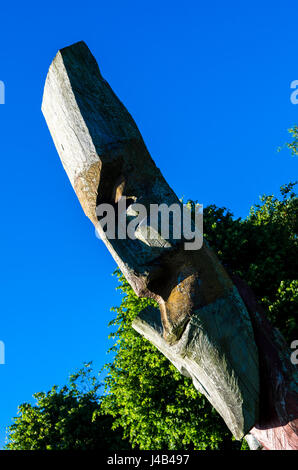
(208, 84)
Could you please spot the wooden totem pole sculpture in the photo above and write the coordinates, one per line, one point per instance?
(208, 324)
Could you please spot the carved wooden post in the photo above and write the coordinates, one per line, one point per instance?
(203, 325)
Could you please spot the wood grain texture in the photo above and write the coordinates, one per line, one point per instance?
(204, 327)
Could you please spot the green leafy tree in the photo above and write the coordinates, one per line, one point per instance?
(263, 250)
(293, 145)
(147, 397)
(65, 419)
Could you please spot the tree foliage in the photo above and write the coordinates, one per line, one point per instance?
(293, 145)
(65, 419)
(263, 250)
(147, 397)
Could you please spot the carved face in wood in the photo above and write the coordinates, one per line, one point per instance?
(203, 317)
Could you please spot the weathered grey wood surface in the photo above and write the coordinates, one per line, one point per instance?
(204, 327)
